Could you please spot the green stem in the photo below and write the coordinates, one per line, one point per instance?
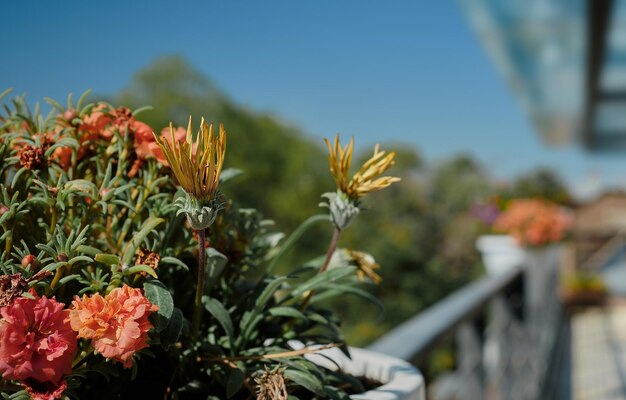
(57, 276)
(197, 312)
(8, 244)
(332, 246)
(294, 237)
(53, 219)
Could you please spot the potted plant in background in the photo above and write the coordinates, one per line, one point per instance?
(583, 289)
(500, 252)
(538, 226)
(124, 272)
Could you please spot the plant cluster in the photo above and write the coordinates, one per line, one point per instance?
(584, 282)
(534, 222)
(125, 272)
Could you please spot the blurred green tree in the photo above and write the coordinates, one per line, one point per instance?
(542, 182)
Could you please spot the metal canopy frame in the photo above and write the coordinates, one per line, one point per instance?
(598, 22)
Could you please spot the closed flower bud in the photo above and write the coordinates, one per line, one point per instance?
(30, 260)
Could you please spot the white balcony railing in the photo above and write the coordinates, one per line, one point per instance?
(506, 329)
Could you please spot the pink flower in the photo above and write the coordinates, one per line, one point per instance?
(37, 344)
(146, 147)
(117, 324)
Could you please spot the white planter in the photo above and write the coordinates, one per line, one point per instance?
(401, 381)
(500, 253)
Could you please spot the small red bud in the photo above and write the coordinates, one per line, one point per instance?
(70, 114)
(30, 260)
(61, 257)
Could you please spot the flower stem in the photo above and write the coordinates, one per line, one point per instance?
(332, 246)
(197, 311)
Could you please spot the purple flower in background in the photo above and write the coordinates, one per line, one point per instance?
(486, 213)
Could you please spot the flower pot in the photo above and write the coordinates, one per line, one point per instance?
(400, 380)
(500, 253)
(573, 299)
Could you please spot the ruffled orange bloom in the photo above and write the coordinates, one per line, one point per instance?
(147, 147)
(534, 222)
(97, 120)
(117, 324)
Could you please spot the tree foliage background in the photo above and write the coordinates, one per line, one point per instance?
(419, 230)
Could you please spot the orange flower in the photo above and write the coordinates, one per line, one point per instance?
(147, 147)
(97, 120)
(117, 324)
(534, 222)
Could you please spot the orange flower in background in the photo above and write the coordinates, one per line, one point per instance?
(117, 323)
(534, 222)
(147, 147)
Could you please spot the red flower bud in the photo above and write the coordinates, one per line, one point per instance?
(30, 260)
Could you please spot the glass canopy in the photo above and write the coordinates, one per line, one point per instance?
(545, 52)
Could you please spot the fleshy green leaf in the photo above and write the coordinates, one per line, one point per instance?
(170, 334)
(109, 259)
(158, 294)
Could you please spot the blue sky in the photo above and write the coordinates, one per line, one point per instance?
(409, 71)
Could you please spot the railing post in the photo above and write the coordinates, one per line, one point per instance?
(470, 360)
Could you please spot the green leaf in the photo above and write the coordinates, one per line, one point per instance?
(252, 318)
(174, 261)
(82, 185)
(229, 173)
(319, 280)
(286, 312)
(68, 278)
(332, 290)
(140, 268)
(90, 251)
(268, 292)
(131, 247)
(295, 235)
(215, 259)
(170, 334)
(142, 109)
(218, 311)
(308, 381)
(76, 259)
(158, 294)
(109, 259)
(234, 381)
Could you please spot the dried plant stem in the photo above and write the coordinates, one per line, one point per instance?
(197, 310)
(271, 356)
(332, 246)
